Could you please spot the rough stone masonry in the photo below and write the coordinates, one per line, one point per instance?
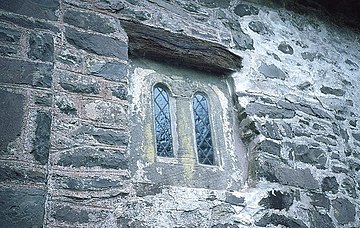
(65, 107)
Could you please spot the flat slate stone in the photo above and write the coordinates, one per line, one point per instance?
(97, 44)
(22, 207)
(42, 137)
(8, 35)
(89, 21)
(285, 48)
(344, 210)
(277, 200)
(43, 9)
(276, 220)
(320, 220)
(215, 3)
(114, 71)
(11, 116)
(71, 215)
(333, 91)
(9, 173)
(27, 23)
(23, 72)
(271, 71)
(41, 47)
(245, 10)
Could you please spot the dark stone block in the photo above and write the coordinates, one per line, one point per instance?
(305, 85)
(276, 220)
(271, 130)
(11, 116)
(271, 71)
(78, 84)
(320, 220)
(112, 6)
(44, 100)
(179, 49)
(325, 140)
(43, 9)
(285, 48)
(66, 105)
(27, 23)
(295, 177)
(242, 40)
(8, 173)
(271, 111)
(329, 90)
(309, 56)
(245, 10)
(314, 156)
(144, 189)
(90, 157)
(270, 147)
(215, 3)
(320, 200)
(106, 136)
(97, 44)
(88, 184)
(10, 36)
(42, 137)
(234, 200)
(260, 28)
(22, 207)
(330, 184)
(89, 21)
(350, 187)
(114, 71)
(41, 47)
(120, 92)
(356, 136)
(277, 200)
(71, 215)
(344, 210)
(22, 72)
(8, 50)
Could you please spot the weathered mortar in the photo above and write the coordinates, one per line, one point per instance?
(64, 105)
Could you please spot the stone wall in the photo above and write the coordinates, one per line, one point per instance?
(64, 110)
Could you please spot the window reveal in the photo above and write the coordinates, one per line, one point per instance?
(162, 119)
(205, 151)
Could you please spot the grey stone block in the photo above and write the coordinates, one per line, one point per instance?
(330, 184)
(79, 84)
(260, 28)
(28, 73)
(245, 10)
(97, 44)
(11, 116)
(268, 110)
(88, 184)
(120, 92)
(94, 157)
(320, 200)
(270, 147)
(41, 47)
(285, 48)
(329, 90)
(277, 200)
(22, 207)
(320, 220)
(344, 210)
(42, 137)
(105, 136)
(115, 71)
(10, 173)
(10, 36)
(295, 177)
(89, 21)
(43, 9)
(65, 105)
(276, 220)
(234, 200)
(215, 3)
(71, 215)
(271, 71)
(28, 23)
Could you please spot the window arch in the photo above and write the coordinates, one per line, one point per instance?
(204, 144)
(162, 121)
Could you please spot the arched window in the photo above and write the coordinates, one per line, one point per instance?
(204, 146)
(164, 145)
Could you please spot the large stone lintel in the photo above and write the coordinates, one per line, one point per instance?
(179, 49)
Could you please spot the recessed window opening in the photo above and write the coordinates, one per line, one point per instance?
(204, 145)
(162, 121)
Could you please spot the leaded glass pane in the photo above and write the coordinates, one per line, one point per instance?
(204, 145)
(164, 146)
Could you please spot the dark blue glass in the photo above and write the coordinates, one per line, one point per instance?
(204, 145)
(164, 146)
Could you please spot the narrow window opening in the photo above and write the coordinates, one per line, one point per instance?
(164, 145)
(205, 150)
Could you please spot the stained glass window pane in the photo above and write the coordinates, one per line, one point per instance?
(164, 146)
(204, 144)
